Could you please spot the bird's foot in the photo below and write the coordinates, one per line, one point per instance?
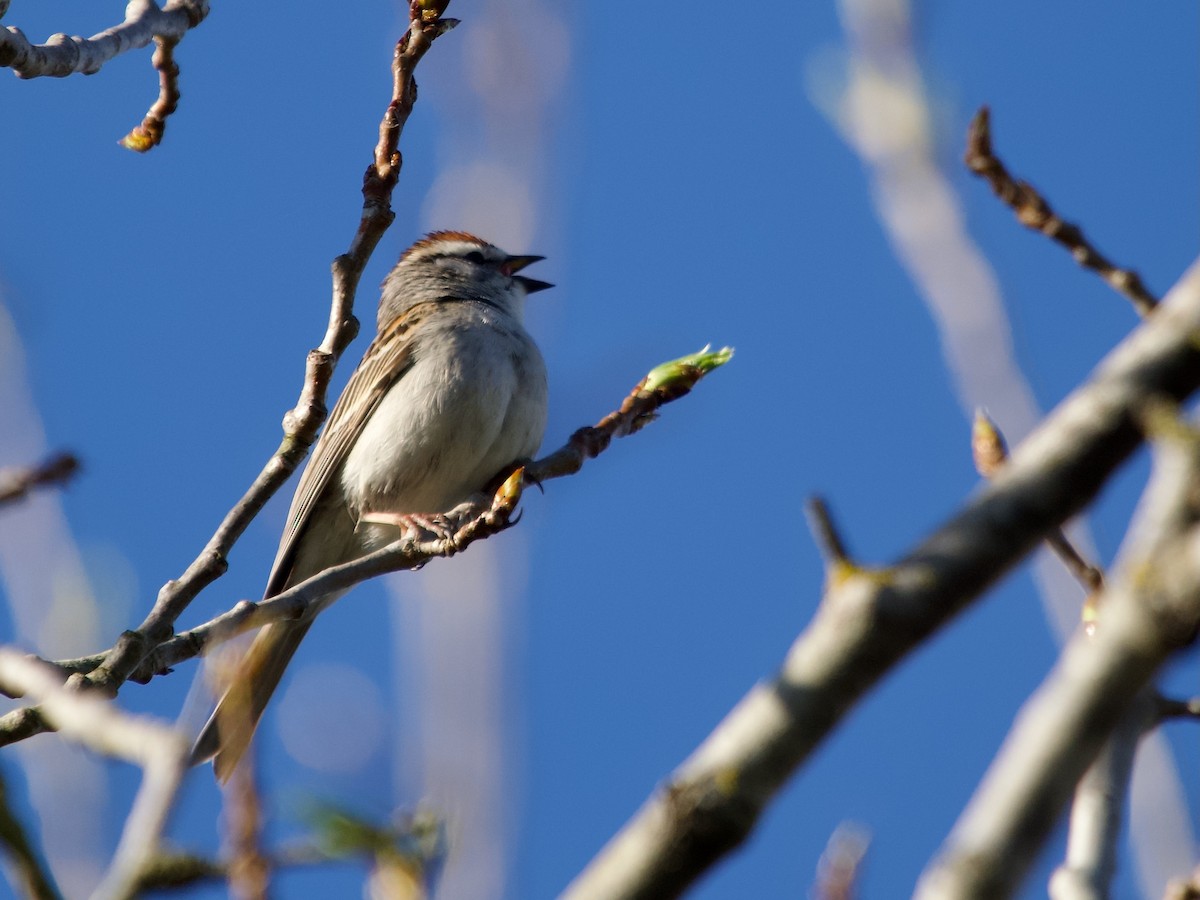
(419, 526)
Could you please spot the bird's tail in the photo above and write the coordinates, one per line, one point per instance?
(227, 733)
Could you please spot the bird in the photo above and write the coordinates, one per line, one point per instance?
(451, 392)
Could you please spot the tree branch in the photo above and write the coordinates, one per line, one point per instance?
(150, 133)
(16, 484)
(1151, 610)
(470, 522)
(300, 425)
(1034, 212)
(26, 871)
(161, 751)
(870, 620)
(64, 55)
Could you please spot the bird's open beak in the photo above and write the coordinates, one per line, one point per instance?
(516, 264)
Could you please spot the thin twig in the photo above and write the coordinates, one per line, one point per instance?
(1034, 212)
(27, 873)
(825, 533)
(15, 484)
(300, 425)
(839, 870)
(1168, 708)
(150, 133)
(470, 522)
(990, 452)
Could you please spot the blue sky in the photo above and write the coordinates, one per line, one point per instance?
(688, 190)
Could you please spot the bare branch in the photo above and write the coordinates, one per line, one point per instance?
(15, 484)
(840, 866)
(1151, 610)
(470, 522)
(26, 871)
(990, 452)
(1034, 212)
(869, 621)
(1098, 811)
(825, 533)
(248, 869)
(91, 720)
(1178, 709)
(302, 423)
(150, 133)
(64, 55)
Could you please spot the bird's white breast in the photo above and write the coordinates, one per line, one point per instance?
(473, 401)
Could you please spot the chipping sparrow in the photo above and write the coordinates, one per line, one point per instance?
(451, 391)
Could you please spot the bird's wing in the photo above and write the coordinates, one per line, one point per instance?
(386, 360)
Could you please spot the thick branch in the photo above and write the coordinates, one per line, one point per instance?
(869, 621)
(1151, 610)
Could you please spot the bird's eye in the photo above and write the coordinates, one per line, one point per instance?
(476, 257)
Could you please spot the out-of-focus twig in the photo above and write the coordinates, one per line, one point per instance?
(990, 452)
(1178, 709)
(1034, 212)
(150, 133)
(92, 721)
(28, 875)
(249, 869)
(1187, 888)
(829, 540)
(840, 866)
(16, 483)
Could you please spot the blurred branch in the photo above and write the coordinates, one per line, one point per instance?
(869, 621)
(1151, 611)
(249, 870)
(26, 872)
(64, 55)
(840, 866)
(16, 483)
(302, 423)
(1187, 888)
(1178, 709)
(416, 842)
(1034, 212)
(1098, 811)
(825, 533)
(468, 523)
(990, 453)
(150, 133)
(92, 721)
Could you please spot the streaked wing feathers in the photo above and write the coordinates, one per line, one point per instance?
(388, 358)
